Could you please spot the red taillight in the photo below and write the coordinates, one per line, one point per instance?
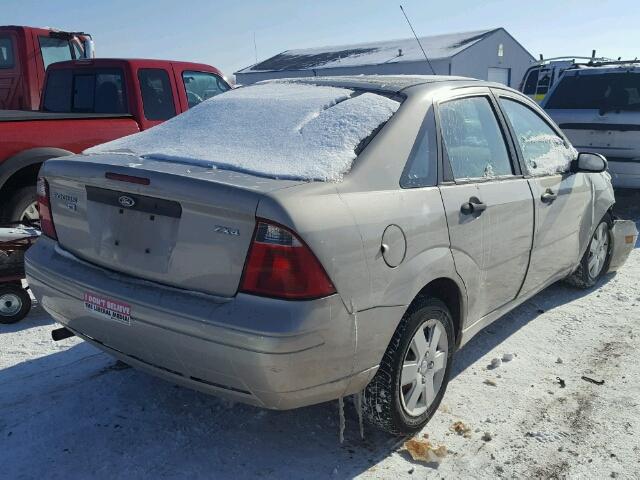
(44, 208)
(280, 265)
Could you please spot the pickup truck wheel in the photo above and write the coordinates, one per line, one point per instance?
(595, 261)
(414, 372)
(23, 205)
(15, 303)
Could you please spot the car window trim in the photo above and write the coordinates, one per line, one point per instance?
(499, 93)
(443, 156)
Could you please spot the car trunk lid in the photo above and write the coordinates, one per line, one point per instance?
(183, 225)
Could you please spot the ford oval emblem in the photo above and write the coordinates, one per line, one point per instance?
(126, 201)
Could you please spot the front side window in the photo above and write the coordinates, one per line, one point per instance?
(544, 151)
(201, 86)
(157, 97)
(6, 53)
(473, 139)
(55, 50)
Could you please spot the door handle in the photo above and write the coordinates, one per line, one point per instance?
(549, 196)
(473, 206)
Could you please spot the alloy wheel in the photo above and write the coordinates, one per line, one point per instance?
(30, 213)
(598, 250)
(424, 367)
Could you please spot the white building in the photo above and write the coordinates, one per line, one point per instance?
(487, 54)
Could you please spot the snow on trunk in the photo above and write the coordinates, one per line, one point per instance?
(277, 130)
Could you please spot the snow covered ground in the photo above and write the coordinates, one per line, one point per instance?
(68, 411)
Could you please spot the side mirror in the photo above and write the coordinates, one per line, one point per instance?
(590, 163)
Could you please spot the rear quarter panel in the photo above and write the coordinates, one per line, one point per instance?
(344, 224)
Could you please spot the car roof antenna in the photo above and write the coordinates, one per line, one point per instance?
(418, 40)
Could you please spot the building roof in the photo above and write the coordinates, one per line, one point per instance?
(373, 53)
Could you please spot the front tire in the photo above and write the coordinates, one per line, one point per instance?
(414, 372)
(595, 261)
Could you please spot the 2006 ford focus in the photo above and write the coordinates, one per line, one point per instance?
(297, 241)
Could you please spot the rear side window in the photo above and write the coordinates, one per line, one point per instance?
(609, 91)
(421, 170)
(199, 86)
(55, 50)
(6, 53)
(157, 97)
(544, 151)
(532, 82)
(545, 79)
(473, 139)
(99, 91)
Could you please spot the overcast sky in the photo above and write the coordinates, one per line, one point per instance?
(221, 33)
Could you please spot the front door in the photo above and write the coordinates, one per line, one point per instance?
(561, 198)
(487, 202)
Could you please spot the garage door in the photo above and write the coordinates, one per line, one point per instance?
(499, 75)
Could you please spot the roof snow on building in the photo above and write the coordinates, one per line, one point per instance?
(374, 53)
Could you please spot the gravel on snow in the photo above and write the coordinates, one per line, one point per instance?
(68, 411)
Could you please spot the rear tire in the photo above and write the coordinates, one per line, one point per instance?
(394, 407)
(595, 261)
(22, 205)
(15, 304)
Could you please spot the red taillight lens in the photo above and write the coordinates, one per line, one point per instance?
(44, 208)
(280, 265)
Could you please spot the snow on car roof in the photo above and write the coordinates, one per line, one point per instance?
(373, 53)
(277, 130)
(386, 83)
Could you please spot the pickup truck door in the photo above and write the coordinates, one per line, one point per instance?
(487, 202)
(562, 199)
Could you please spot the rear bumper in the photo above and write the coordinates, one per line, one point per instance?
(271, 353)
(625, 236)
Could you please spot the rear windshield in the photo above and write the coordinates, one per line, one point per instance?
(609, 91)
(277, 130)
(85, 91)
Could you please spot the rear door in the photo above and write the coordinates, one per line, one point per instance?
(562, 199)
(488, 203)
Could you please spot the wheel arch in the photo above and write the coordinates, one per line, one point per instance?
(21, 169)
(452, 295)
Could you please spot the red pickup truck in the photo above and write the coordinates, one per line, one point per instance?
(25, 54)
(88, 102)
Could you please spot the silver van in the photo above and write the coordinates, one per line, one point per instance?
(598, 108)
